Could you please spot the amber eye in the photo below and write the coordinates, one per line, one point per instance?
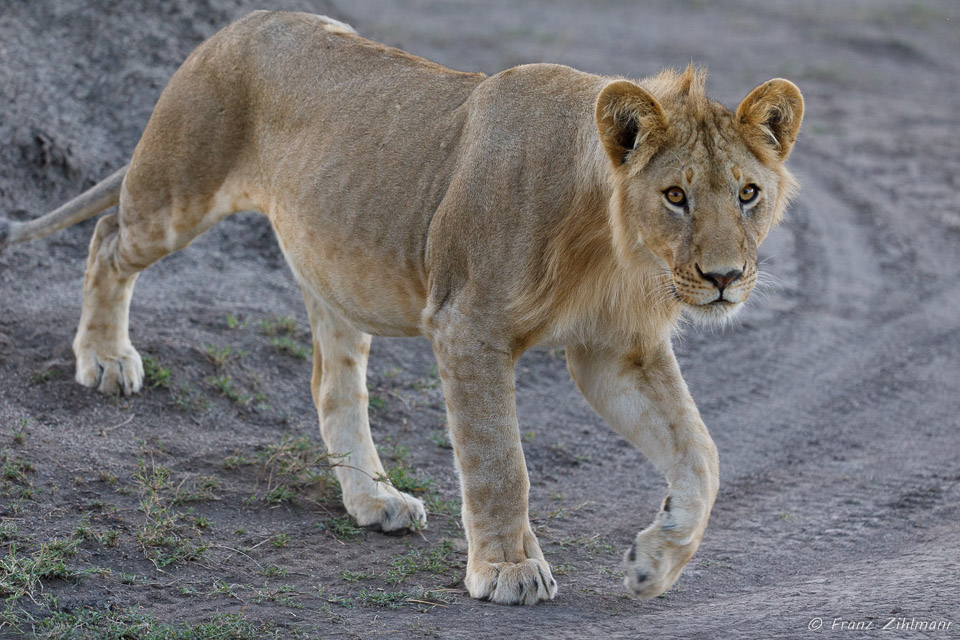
(748, 193)
(676, 196)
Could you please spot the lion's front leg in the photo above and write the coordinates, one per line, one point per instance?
(505, 563)
(644, 398)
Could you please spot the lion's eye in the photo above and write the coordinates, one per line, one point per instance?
(675, 196)
(748, 193)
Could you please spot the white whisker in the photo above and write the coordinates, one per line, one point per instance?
(766, 280)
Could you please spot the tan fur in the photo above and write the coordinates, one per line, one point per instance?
(489, 214)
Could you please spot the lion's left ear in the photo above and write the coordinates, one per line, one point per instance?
(771, 114)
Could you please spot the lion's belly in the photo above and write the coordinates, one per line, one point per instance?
(376, 287)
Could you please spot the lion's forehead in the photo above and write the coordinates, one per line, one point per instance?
(711, 151)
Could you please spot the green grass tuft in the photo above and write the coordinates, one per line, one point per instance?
(155, 375)
(288, 346)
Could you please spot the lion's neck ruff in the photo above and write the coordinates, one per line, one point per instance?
(594, 285)
(599, 282)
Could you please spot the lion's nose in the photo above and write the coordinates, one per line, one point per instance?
(721, 280)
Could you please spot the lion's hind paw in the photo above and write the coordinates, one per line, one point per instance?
(389, 511)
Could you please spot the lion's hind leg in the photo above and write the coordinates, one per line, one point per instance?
(147, 227)
(339, 388)
(105, 357)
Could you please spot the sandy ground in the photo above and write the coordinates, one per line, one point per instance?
(834, 403)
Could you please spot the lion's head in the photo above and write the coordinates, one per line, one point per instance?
(696, 185)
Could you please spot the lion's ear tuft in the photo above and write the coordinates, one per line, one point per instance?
(631, 122)
(771, 115)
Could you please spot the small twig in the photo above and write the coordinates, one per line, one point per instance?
(342, 543)
(104, 432)
(402, 398)
(554, 514)
(432, 604)
(156, 584)
(268, 540)
(447, 515)
(235, 551)
(230, 590)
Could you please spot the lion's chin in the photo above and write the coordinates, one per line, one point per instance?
(717, 313)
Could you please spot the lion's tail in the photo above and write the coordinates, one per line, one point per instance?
(103, 195)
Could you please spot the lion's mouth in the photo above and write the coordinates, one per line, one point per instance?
(717, 311)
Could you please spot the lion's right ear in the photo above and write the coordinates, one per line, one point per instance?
(631, 122)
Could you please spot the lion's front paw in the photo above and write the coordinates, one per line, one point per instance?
(388, 510)
(110, 373)
(654, 562)
(526, 582)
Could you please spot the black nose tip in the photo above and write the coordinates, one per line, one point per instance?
(721, 280)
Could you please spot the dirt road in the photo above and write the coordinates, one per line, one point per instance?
(834, 403)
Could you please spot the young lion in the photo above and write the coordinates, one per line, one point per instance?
(541, 205)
